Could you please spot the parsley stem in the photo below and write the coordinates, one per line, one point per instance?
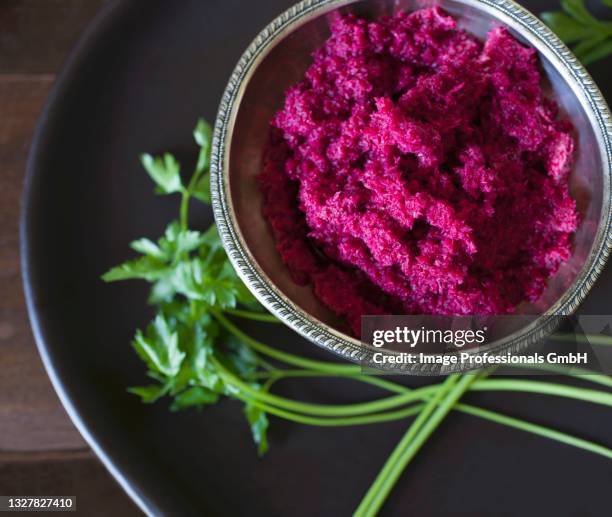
(536, 429)
(485, 414)
(184, 210)
(350, 370)
(576, 373)
(394, 387)
(365, 507)
(323, 409)
(287, 358)
(481, 385)
(197, 173)
(331, 422)
(544, 388)
(251, 315)
(384, 384)
(541, 387)
(428, 420)
(589, 339)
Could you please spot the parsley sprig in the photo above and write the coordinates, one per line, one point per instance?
(197, 355)
(190, 276)
(590, 38)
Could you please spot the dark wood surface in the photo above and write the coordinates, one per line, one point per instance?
(41, 452)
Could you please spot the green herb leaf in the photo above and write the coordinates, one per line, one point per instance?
(163, 291)
(196, 396)
(596, 52)
(212, 240)
(176, 242)
(201, 191)
(587, 45)
(145, 268)
(241, 359)
(202, 133)
(149, 394)
(203, 137)
(206, 374)
(188, 241)
(567, 28)
(205, 333)
(159, 348)
(576, 9)
(576, 25)
(199, 281)
(148, 247)
(165, 172)
(258, 421)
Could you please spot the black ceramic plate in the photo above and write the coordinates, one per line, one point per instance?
(136, 82)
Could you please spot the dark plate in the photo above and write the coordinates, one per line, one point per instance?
(137, 81)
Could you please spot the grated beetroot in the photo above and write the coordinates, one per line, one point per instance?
(417, 170)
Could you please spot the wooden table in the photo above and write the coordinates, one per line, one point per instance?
(41, 452)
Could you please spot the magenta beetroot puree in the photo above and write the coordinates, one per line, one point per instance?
(415, 169)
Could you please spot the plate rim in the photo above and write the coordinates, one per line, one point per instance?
(103, 18)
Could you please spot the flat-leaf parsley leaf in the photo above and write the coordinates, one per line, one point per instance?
(590, 38)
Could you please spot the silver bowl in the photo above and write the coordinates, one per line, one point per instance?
(278, 58)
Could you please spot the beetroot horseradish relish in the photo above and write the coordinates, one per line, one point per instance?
(417, 170)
